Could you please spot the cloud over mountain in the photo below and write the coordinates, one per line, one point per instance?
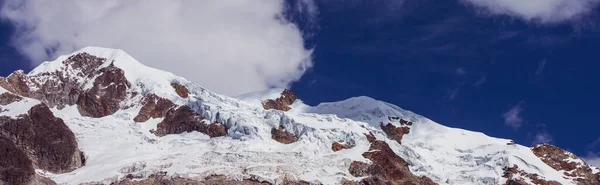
(248, 45)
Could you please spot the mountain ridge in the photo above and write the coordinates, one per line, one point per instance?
(188, 134)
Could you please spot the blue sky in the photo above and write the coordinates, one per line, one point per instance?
(520, 74)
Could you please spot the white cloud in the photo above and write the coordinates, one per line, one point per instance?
(228, 46)
(542, 137)
(540, 69)
(461, 71)
(545, 11)
(513, 117)
(593, 159)
(480, 81)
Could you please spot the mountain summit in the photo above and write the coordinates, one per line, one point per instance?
(98, 116)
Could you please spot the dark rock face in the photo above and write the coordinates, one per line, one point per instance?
(44, 139)
(282, 136)
(110, 88)
(282, 103)
(393, 132)
(183, 119)
(560, 159)
(153, 107)
(15, 167)
(387, 167)
(181, 90)
(511, 172)
(8, 98)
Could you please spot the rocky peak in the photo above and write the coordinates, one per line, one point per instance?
(108, 91)
(282, 103)
(36, 139)
(569, 163)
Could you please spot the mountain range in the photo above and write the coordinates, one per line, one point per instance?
(98, 116)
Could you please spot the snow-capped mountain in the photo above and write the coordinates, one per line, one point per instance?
(98, 116)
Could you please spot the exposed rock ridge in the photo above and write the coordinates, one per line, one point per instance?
(396, 133)
(386, 167)
(515, 176)
(282, 136)
(568, 162)
(57, 88)
(36, 140)
(153, 107)
(282, 103)
(184, 119)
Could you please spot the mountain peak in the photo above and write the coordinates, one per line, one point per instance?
(150, 124)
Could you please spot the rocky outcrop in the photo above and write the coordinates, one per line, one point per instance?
(282, 136)
(282, 103)
(404, 122)
(57, 88)
(181, 90)
(386, 167)
(517, 177)
(393, 132)
(572, 165)
(17, 83)
(153, 107)
(44, 139)
(8, 98)
(104, 98)
(183, 119)
(163, 179)
(15, 166)
(340, 145)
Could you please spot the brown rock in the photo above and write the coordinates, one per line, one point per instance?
(8, 98)
(515, 177)
(16, 83)
(183, 119)
(282, 136)
(15, 167)
(103, 99)
(393, 132)
(282, 103)
(55, 88)
(45, 139)
(370, 137)
(337, 146)
(181, 90)
(387, 168)
(560, 159)
(153, 107)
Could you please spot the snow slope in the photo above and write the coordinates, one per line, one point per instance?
(116, 146)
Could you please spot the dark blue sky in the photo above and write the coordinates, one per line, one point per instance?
(444, 60)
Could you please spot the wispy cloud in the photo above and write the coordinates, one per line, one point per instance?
(453, 93)
(480, 81)
(593, 159)
(543, 11)
(512, 117)
(542, 137)
(540, 69)
(461, 71)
